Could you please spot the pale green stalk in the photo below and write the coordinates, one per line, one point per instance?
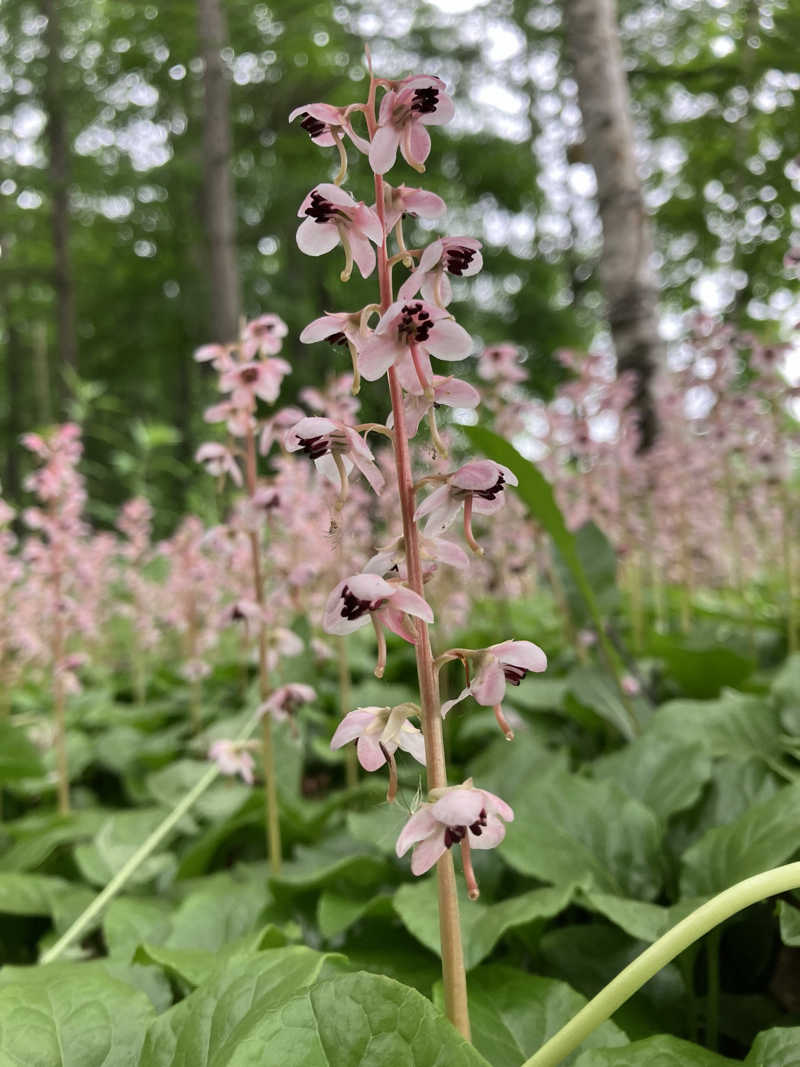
(86, 917)
(659, 954)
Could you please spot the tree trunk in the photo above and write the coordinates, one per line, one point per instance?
(15, 361)
(627, 273)
(58, 148)
(220, 203)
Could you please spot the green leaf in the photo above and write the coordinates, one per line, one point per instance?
(338, 859)
(19, 758)
(38, 836)
(512, 1015)
(509, 768)
(220, 801)
(73, 1014)
(666, 774)
(776, 1048)
(196, 965)
(599, 563)
(39, 894)
(131, 920)
(594, 689)
(568, 830)
(191, 1033)
(702, 671)
(765, 836)
(220, 912)
(120, 835)
(789, 917)
(482, 925)
(380, 827)
(337, 912)
(735, 725)
(661, 1051)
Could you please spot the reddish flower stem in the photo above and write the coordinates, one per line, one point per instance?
(453, 973)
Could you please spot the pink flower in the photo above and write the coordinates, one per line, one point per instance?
(324, 441)
(325, 124)
(507, 662)
(330, 217)
(408, 330)
(432, 550)
(449, 255)
(401, 201)
(263, 336)
(361, 596)
(450, 392)
(630, 685)
(338, 328)
(285, 700)
(500, 361)
(417, 102)
(218, 461)
(460, 812)
(377, 729)
(261, 378)
(478, 486)
(218, 355)
(232, 758)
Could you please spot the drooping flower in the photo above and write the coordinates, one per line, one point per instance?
(459, 256)
(325, 125)
(254, 378)
(286, 699)
(380, 732)
(218, 461)
(362, 598)
(405, 111)
(331, 217)
(233, 758)
(263, 336)
(459, 813)
(411, 330)
(478, 486)
(505, 663)
(432, 550)
(500, 362)
(326, 441)
(447, 391)
(401, 200)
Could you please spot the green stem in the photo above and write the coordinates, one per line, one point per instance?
(85, 919)
(662, 952)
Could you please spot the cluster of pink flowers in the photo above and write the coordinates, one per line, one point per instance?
(397, 340)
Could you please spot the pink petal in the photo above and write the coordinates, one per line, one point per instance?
(489, 684)
(336, 195)
(496, 804)
(411, 603)
(416, 144)
(383, 150)
(435, 500)
(455, 393)
(448, 340)
(411, 740)
(369, 753)
(431, 256)
(323, 327)
(437, 287)
(452, 703)
(377, 355)
(458, 807)
(520, 654)
(353, 725)
(363, 253)
(367, 221)
(450, 554)
(419, 826)
(388, 102)
(369, 587)
(316, 239)
(476, 475)
(428, 852)
(370, 470)
(445, 109)
(491, 834)
(411, 285)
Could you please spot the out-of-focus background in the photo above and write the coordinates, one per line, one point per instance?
(108, 194)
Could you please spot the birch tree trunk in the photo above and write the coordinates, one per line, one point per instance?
(58, 150)
(220, 202)
(627, 274)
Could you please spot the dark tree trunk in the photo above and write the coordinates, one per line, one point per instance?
(220, 203)
(14, 364)
(627, 273)
(58, 147)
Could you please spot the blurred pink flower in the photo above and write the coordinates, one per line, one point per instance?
(232, 758)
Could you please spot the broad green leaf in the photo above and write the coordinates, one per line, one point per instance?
(482, 925)
(568, 830)
(512, 1014)
(509, 768)
(735, 725)
(338, 859)
(38, 836)
(346, 1020)
(19, 757)
(196, 965)
(599, 562)
(22, 893)
(190, 1033)
(116, 841)
(594, 689)
(131, 920)
(379, 827)
(661, 1051)
(666, 774)
(776, 1048)
(73, 1015)
(337, 912)
(218, 913)
(639, 918)
(765, 836)
(220, 801)
(701, 671)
